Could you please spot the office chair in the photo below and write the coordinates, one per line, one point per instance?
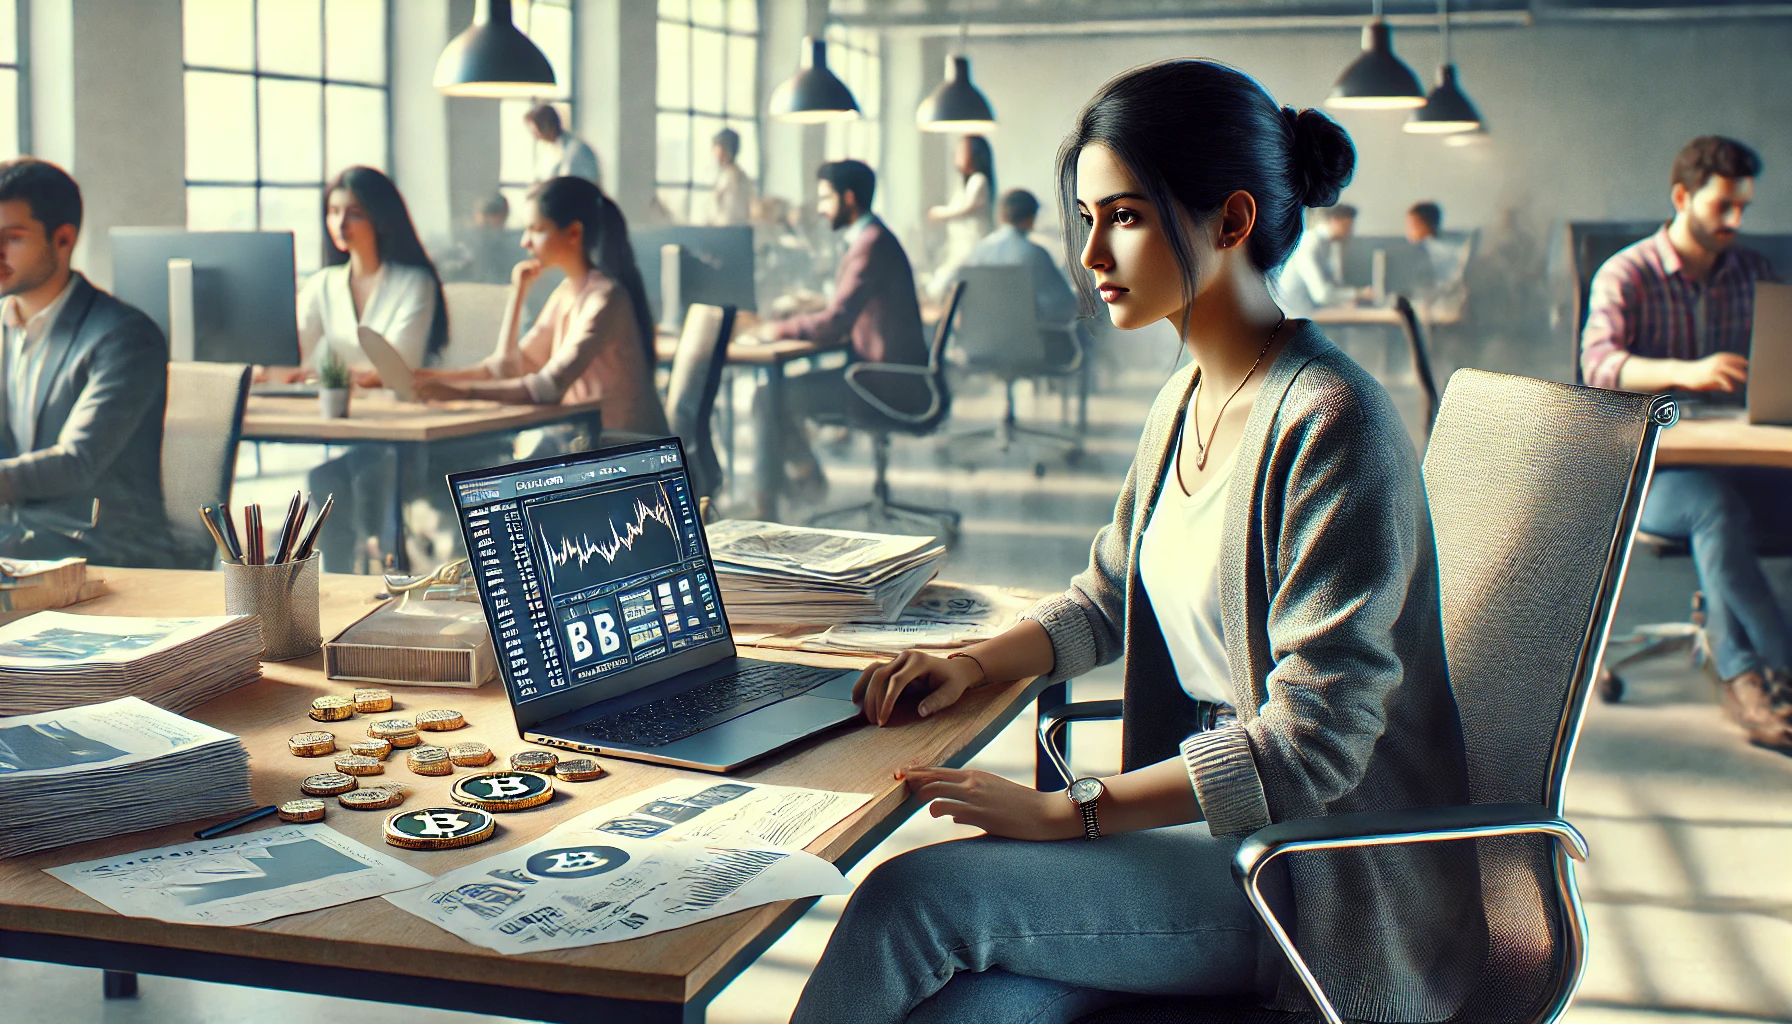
(893, 398)
(475, 314)
(999, 334)
(1534, 516)
(691, 397)
(1420, 354)
(200, 434)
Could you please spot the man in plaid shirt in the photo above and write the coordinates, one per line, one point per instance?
(1675, 312)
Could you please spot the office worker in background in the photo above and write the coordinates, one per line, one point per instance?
(732, 200)
(970, 215)
(593, 339)
(1271, 556)
(568, 156)
(1675, 312)
(85, 390)
(873, 310)
(1009, 246)
(1314, 276)
(486, 252)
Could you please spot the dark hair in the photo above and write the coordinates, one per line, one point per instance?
(544, 117)
(53, 196)
(728, 139)
(494, 205)
(1430, 214)
(1710, 156)
(1018, 205)
(983, 160)
(1195, 131)
(393, 235)
(565, 200)
(850, 176)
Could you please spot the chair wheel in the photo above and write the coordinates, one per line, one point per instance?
(1610, 687)
(1039, 470)
(1073, 456)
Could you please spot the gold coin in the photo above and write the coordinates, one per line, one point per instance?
(376, 749)
(579, 769)
(534, 761)
(430, 761)
(440, 721)
(312, 744)
(369, 701)
(439, 828)
(375, 798)
(503, 791)
(355, 764)
(302, 810)
(400, 732)
(327, 784)
(332, 709)
(471, 755)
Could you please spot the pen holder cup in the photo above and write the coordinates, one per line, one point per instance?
(284, 597)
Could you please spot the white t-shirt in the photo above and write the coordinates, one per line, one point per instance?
(402, 308)
(1179, 563)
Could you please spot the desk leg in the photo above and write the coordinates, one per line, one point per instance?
(120, 984)
(768, 448)
(1045, 777)
(392, 543)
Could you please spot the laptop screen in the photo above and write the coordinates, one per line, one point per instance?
(594, 574)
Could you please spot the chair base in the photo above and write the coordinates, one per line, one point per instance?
(1654, 638)
(1010, 430)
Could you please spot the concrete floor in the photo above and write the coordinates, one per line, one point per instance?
(1687, 893)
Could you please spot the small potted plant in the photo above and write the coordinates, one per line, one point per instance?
(333, 380)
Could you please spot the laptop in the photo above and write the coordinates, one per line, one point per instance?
(395, 373)
(607, 619)
(1770, 355)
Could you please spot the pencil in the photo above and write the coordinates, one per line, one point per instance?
(231, 537)
(225, 826)
(298, 528)
(205, 516)
(252, 524)
(286, 528)
(317, 524)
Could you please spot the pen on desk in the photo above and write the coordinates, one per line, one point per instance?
(231, 537)
(252, 525)
(298, 528)
(286, 528)
(223, 827)
(206, 512)
(317, 524)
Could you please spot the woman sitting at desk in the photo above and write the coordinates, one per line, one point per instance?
(593, 339)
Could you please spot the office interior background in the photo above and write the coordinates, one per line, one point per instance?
(232, 114)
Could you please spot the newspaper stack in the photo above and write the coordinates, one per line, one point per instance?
(102, 770)
(770, 572)
(942, 617)
(55, 660)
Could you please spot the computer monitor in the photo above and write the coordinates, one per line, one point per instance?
(716, 267)
(244, 290)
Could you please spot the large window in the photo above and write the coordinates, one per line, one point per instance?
(13, 113)
(708, 80)
(522, 158)
(281, 95)
(856, 56)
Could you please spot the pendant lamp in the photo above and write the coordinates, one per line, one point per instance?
(1447, 110)
(1376, 80)
(813, 95)
(957, 105)
(492, 58)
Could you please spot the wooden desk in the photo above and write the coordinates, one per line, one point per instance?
(373, 950)
(406, 428)
(1724, 441)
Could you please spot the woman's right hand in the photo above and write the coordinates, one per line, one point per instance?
(880, 686)
(524, 274)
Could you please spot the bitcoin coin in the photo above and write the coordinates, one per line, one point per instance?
(332, 709)
(430, 761)
(440, 721)
(579, 769)
(302, 810)
(376, 749)
(355, 764)
(471, 755)
(327, 784)
(439, 828)
(534, 761)
(312, 744)
(368, 701)
(374, 798)
(503, 791)
(400, 732)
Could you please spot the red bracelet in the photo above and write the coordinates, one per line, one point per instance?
(973, 657)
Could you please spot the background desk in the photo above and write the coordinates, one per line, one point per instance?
(1729, 441)
(373, 950)
(376, 417)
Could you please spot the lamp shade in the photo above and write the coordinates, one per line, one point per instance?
(1447, 110)
(493, 58)
(813, 95)
(956, 106)
(1377, 80)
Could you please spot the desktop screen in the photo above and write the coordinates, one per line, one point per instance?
(590, 566)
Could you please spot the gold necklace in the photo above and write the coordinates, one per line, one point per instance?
(1193, 402)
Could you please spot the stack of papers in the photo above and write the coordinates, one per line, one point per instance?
(943, 617)
(57, 660)
(107, 769)
(32, 584)
(770, 572)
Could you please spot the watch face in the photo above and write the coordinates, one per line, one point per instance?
(1084, 790)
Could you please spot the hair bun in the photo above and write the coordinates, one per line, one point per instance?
(1322, 159)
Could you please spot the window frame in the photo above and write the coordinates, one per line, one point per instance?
(508, 187)
(690, 186)
(21, 68)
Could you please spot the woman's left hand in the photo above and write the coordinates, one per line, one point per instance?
(993, 804)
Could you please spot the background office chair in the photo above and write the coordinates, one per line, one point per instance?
(893, 398)
(200, 434)
(1534, 515)
(475, 313)
(999, 335)
(691, 396)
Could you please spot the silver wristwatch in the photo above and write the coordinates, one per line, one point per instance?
(1084, 793)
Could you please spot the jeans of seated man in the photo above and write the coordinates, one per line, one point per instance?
(819, 395)
(1718, 510)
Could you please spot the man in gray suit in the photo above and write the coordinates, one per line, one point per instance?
(85, 387)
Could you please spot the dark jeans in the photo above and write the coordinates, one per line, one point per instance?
(817, 395)
(1719, 510)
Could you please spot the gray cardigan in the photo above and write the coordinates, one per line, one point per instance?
(1329, 600)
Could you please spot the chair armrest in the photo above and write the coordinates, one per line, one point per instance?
(857, 370)
(1383, 828)
(1053, 723)
(1075, 337)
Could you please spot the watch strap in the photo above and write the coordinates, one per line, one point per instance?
(1091, 825)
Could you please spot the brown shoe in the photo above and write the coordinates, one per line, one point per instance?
(1749, 702)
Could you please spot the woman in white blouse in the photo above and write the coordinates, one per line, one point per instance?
(970, 214)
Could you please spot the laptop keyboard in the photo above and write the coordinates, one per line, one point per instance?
(704, 707)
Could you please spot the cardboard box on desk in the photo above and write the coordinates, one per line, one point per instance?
(415, 643)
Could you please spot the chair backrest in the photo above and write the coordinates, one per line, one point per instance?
(691, 397)
(200, 433)
(996, 327)
(942, 331)
(475, 313)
